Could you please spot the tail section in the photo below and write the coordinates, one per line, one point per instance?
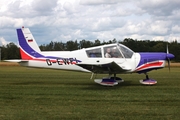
(28, 46)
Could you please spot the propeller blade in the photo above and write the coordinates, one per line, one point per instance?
(167, 56)
(168, 60)
(167, 50)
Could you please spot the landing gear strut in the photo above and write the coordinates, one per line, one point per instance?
(119, 80)
(148, 81)
(147, 77)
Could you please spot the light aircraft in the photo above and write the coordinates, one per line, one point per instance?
(108, 59)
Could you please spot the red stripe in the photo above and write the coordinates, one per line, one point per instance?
(155, 64)
(25, 56)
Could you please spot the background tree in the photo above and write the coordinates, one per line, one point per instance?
(72, 45)
(97, 43)
(85, 44)
(11, 51)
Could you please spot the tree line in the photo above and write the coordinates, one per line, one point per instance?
(11, 51)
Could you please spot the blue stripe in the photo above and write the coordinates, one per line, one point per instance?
(150, 57)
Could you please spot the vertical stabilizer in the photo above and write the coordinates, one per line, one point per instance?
(28, 46)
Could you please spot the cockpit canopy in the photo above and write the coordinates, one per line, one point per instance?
(110, 51)
(125, 51)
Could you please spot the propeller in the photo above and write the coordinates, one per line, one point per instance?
(168, 60)
(168, 57)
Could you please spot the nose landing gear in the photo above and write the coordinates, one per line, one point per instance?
(148, 81)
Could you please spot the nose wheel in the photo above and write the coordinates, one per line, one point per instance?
(148, 81)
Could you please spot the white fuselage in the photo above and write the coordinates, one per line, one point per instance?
(126, 63)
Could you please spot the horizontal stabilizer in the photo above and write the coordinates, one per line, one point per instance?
(17, 60)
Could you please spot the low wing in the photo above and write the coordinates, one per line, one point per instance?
(110, 68)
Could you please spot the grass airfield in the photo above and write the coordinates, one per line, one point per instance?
(43, 94)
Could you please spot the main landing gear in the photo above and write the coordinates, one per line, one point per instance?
(109, 81)
(148, 81)
(113, 80)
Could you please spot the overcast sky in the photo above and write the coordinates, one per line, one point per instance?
(63, 20)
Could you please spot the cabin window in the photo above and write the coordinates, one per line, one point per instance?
(94, 53)
(112, 52)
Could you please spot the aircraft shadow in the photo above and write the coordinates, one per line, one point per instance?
(83, 85)
(101, 87)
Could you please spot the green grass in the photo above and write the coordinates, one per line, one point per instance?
(42, 94)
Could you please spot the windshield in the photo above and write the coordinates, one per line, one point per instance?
(126, 51)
